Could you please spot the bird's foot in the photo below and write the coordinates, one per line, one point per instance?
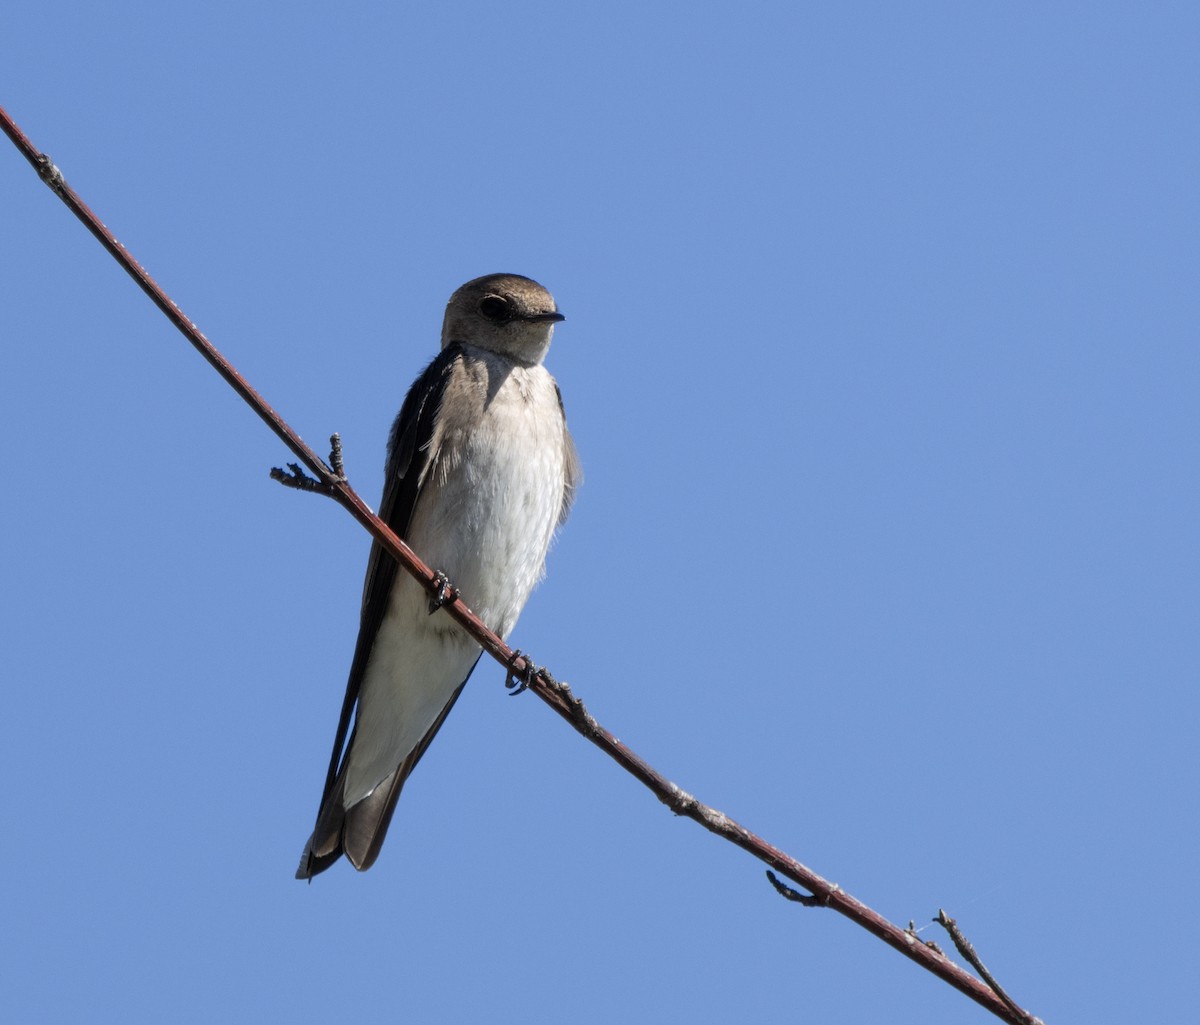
(443, 592)
(518, 681)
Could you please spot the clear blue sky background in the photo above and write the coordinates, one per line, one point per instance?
(882, 357)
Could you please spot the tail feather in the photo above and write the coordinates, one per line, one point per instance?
(358, 831)
(324, 846)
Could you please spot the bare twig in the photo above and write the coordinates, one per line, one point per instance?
(332, 482)
(335, 456)
(965, 948)
(295, 477)
(784, 890)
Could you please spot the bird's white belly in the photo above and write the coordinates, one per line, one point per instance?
(489, 523)
(485, 518)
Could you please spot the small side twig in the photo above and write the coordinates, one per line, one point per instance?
(809, 900)
(965, 948)
(295, 477)
(335, 457)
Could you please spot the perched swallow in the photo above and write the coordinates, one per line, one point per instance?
(480, 472)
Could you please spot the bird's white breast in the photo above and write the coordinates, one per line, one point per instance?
(492, 498)
(488, 506)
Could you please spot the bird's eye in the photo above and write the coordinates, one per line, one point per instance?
(495, 309)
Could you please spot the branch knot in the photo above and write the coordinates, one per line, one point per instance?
(49, 173)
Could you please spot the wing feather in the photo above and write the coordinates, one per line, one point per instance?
(410, 451)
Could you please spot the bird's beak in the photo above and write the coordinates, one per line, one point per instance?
(546, 317)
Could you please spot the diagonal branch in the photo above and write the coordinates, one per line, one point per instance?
(332, 482)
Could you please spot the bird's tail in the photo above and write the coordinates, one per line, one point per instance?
(357, 832)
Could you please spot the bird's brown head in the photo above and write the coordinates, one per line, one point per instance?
(503, 313)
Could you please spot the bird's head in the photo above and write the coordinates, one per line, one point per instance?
(503, 313)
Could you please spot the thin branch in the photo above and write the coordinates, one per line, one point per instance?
(968, 951)
(331, 481)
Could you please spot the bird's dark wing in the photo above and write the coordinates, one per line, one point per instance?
(410, 450)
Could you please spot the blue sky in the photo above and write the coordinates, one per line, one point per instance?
(881, 356)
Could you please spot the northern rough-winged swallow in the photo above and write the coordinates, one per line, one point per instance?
(480, 471)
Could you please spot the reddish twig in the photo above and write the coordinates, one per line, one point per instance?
(332, 482)
(968, 951)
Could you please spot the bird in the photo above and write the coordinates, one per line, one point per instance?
(481, 471)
